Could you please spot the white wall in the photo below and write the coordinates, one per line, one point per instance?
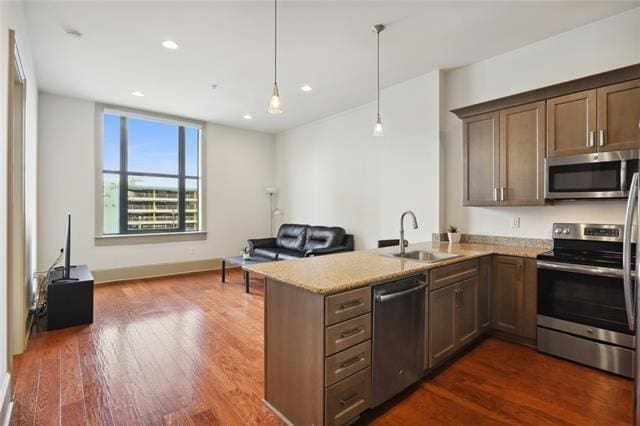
(608, 44)
(12, 17)
(334, 172)
(239, 165)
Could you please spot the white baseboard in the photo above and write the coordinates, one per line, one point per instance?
(6, 405)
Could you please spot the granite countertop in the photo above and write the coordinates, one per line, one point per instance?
(347, 271)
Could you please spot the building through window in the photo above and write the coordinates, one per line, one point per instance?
(150, 174)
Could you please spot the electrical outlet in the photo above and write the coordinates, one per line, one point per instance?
(192, 251)
(515, 222)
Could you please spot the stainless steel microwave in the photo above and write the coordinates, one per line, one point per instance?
(597, 175)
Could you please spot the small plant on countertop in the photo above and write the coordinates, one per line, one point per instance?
(453, 234)
(245, 252)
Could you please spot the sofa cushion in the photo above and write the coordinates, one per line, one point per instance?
(320, 237)
(292, 236)
(276, 253)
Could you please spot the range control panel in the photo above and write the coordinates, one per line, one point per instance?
(584, 231)
(602, 232)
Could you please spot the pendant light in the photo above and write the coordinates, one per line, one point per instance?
(377, 129)
(275, 106)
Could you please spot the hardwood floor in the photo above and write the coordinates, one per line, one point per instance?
(189, 350)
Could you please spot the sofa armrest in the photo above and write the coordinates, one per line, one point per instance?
(262, 243)
(327, 250)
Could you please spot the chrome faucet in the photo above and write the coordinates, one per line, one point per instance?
(415, 226)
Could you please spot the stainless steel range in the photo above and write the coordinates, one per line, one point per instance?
(582, 314)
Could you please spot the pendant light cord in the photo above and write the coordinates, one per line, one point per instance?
(275, 42)
(378, 32)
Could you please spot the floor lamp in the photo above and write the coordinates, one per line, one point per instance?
(271, 190)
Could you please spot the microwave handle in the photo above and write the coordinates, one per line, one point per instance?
(629, 294)
(623, 175)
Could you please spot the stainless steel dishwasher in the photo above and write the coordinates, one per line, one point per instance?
(398, 336)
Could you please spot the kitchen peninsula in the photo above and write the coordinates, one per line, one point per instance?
(320, 328)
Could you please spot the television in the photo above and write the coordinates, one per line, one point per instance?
(66, 268)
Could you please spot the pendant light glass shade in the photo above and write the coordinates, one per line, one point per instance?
(275, 106)
(377, 129)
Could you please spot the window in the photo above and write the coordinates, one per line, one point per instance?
(150, 175)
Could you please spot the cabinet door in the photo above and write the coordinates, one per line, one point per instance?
(467, 313)
(507, 294)
(480, 160)
(619, 116)
(484, 293)
(530, 299)
(522, 148)
(571, 124)
(442, 335)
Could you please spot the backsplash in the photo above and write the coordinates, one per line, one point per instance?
(503, 241)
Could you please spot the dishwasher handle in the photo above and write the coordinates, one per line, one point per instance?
(391, 296)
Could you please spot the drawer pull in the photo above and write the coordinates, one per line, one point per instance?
(345, 401)
(351, 361)
(350, 304)
(351, 333)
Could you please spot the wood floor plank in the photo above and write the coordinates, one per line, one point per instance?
(189, 350)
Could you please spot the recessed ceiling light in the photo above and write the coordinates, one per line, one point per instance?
(306, 88)
(138, 94)
(74, 34)
(170, 44)
(247, 117)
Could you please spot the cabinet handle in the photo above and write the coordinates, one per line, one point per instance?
(601, 139)
(503, 194)
(457, 297)
(495, 194)
(351, 361)
(591, 139)
(346, 400)
(350, 304)
(520, 271)
(350, 333)
(461, 297)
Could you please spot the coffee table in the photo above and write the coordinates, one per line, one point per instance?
(240, 261)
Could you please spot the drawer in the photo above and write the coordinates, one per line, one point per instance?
(348, 398)
(442, 277)
(341, 336)
(343, 306)
(347, 362)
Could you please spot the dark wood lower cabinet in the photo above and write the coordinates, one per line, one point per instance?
(484, 293)
(453, 314)
(514, 296)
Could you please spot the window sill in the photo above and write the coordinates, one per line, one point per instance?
(164, 237)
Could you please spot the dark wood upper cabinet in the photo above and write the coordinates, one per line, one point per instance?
(522, 148)
(619, 116)
(571, 124)
(503, 157)
(480, 158)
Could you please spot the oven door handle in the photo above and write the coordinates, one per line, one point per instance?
(581, 269)
(629, 294)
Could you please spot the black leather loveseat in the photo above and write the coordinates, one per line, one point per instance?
(295, 241)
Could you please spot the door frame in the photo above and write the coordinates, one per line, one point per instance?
(17, 269)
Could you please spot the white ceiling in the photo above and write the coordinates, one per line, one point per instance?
(328, 45)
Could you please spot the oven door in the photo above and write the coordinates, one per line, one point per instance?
(586, 300)
(600, 175)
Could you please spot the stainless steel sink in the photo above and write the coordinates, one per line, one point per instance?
(423, 255)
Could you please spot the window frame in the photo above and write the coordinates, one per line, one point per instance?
(124, 233)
